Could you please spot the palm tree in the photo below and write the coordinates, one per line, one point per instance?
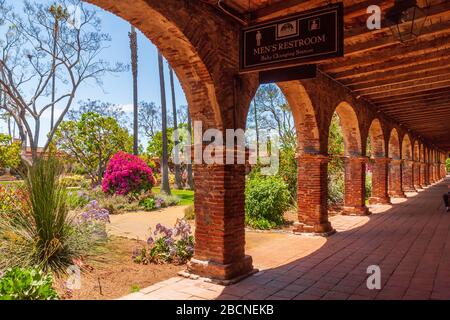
(134, 69)
(165, 187)
(178, 181)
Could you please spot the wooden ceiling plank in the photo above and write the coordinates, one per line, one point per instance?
(395, 74)
(394, 63)
(419, 48)
(428, 77)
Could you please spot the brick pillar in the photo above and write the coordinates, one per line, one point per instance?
(380, 182)
(427, 174)
(416, 175)
(395, 179)
(219, 224)
(408, 175)
(355, 186)
(312, 194)
(422, 175)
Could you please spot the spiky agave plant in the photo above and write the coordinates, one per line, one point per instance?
(43, 235)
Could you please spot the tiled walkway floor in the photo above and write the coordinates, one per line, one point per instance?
(409, 241)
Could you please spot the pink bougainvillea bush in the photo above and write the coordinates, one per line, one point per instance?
(127, 174)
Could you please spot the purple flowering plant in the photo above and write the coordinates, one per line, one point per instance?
(94, 213)
(127, 174)
(167, 245)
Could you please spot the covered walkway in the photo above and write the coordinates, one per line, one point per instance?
(409, 241)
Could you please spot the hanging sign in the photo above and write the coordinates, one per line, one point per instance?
(305, 37)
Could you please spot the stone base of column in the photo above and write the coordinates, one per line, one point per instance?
(356, 211)
(224, 274)
(322, 229)
(409, 189)
(417, 187)
(378, 200)
(397, 194)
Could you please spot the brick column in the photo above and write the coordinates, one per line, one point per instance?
(380, 182)
(355, 186)
(422, 175)
(427, 174)
(408, 175)
(395, 179)
(219, 224)
(416, 175)
(312, 194)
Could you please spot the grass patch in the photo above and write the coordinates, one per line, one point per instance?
(186, 196)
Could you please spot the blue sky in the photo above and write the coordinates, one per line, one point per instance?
(117, 88)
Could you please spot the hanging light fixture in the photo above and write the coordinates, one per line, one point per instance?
(406, 19)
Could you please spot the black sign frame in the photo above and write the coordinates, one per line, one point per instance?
(338, 44)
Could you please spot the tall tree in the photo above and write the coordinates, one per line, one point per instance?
(59, 14)
(178, 181)
(134, 70)
(149, 119)
(28, 71)
(165, 187)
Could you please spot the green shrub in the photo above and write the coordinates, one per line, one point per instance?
(266, 199)
(27, 284)
(288, 170)
(368, 185)
(77, 200)
(148, 204)
(447, 165)
(336, 183)
(45, 235)
(75, 180)
(118, 204)
(189, 212)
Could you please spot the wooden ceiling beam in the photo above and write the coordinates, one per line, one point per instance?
(405, 81)
(392, 94)
(439, 106)
(420, 48)
(361, 31)
(412, 86)
(394, 63)
(411, 95)
(415, 103)
(401, 72)
(415, 100)
(388, 39)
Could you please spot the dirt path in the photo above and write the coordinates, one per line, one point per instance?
(136, 225)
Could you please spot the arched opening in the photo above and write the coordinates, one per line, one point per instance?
(407, 165)
(395, 171)
(311, 164)
(346, 171)
(286, 110)
(377, 170)
(208, 86)
(416, 165)
(271, 192)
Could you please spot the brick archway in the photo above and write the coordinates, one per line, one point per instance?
(355, 163)
(395, 166)
(377, 140)
(407, 165)
(311, 164)
(187, 34)
(416, 165)
(350, 129)
(379, 164)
